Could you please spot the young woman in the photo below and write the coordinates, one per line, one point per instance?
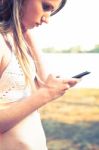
(24, 84)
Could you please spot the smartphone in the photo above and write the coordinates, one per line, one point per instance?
(81, 74)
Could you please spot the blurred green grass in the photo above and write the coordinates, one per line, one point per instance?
(72, 121)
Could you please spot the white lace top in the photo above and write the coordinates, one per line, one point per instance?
(29, 132)
(12, 81)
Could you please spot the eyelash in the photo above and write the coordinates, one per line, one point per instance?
(47, 7)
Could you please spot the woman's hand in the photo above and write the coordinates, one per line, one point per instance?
(57, 86)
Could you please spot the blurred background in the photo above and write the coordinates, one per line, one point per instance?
(70, 43)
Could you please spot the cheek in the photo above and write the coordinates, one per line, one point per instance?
(28, 16)
(32, 13)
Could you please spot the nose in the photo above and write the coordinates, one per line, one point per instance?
(45, 19)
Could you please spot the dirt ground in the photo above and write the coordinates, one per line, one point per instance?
(72, 122)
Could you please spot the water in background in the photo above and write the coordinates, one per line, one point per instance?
(68, 65)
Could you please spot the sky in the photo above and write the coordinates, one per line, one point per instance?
(76, 24)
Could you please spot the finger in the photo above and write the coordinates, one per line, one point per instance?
(72, 81)
(64, 81)
(66, 87)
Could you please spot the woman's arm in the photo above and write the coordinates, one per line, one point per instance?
(12, 113)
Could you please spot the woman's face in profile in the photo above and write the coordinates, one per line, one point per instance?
(36, 12)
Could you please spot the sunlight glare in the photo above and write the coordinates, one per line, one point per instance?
(76, 24)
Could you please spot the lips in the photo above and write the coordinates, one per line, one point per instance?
(38, 24)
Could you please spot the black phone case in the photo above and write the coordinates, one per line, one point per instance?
(81, 74)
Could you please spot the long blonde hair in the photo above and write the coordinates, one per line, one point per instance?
(10, 19)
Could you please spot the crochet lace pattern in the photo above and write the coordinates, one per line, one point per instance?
(12, 81)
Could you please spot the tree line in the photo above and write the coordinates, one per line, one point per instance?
(75, 49)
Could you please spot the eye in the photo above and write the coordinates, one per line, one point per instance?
(47, 7)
